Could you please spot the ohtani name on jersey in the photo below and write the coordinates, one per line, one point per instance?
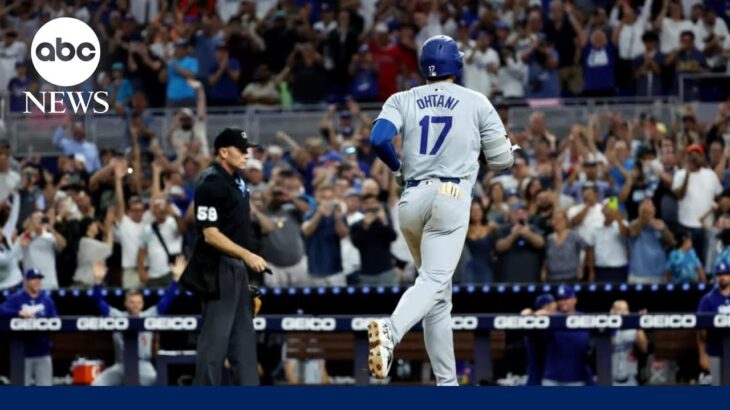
(437, 101)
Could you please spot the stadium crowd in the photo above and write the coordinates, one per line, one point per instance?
(616, 199)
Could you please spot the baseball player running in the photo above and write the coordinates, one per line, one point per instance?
(444, 128)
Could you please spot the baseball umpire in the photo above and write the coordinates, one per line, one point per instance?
(219, 266)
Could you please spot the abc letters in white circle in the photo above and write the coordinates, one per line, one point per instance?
(59, 40)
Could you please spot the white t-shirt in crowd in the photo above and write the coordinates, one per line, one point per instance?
(592, 220)
(181, 137)
(703, 187)
(476, 76)
(90, 251)
(129, 235)
(350, 254)
(609, 246)
(9, 182)
(702, 31)
(41, 254)
(671, 31)
(157, 260)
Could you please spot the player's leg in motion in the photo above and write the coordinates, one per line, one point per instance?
(434, 224)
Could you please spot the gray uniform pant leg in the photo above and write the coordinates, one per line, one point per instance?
(434, 225)
(39, 370)
(228, 331)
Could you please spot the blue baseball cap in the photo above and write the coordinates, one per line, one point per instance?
(721, 268)
(564, 292)
(543, 300)
(33, 273)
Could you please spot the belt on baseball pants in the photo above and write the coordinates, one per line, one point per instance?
(414, 183)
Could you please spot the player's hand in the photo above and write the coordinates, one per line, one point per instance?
(178, 267)
(255, 262)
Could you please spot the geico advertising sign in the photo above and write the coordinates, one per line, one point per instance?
(102, 323)
(521, 322)
(721, 321)
(593, 322)
(312, 324)
(18, 324)
(170, 323)
(677, 321)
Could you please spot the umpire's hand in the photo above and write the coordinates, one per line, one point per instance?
(255, 262)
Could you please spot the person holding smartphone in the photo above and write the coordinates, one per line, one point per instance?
(372, 236)
(39, 245)
(323, 228)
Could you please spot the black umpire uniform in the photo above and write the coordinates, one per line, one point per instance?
(222, 201)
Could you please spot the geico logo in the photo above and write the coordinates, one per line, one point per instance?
(361, 323)
(464, 322)
(314, 324)
(721, 321)
(521, 322)
(102, 323)
(259, 324)
(170, 323)
(668, 321)
(593, 322)
(35, 324)
(65, 51)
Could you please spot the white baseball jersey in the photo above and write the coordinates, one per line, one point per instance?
(444, 127)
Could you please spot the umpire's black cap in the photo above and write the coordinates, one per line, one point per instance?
(233, 137)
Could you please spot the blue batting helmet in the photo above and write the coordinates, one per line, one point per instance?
(440, 57)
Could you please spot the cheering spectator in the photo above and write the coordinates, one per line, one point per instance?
(648, 67)
(364, 75)
(39, 243)
(627, 33)
(372, 236)
(9, 178)
(598, 65)
(263, 90)
(224, 74)
(91, 249)
(160, 244)
(180, 68)
(671, 23)
(696, 188)
(512, 75)
(519, 247)
(562, 252)
(18, 86)
(607, 256)
(627, 345)
(563, 29)
(307, 74)
(32, 302)
(683, 265)
(480, 239)
(10, 275)
(587, 217)
(119, 88)
(480, 65)
(255, 175)
(78, 145)
(323, 228)
(188, 133)
(128, 228)
(282, 244)
(542, 60)
(687, 59)
(648, 238)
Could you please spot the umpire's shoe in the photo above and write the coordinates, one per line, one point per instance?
(380, 337)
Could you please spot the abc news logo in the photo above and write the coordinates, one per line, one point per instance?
(65, 52)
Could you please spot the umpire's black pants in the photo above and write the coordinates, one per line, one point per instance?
(228, 330)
